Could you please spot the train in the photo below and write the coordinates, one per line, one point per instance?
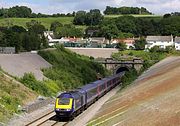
(71, 103)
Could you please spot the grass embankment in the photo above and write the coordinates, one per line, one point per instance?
(12, 94)
(70, 70)
(149, 59)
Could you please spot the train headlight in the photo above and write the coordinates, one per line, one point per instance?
(57, 109)
(68, 109)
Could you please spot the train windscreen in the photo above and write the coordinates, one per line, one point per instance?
(64, 101)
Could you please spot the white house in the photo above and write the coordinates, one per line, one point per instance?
(52, 41)
(177, 43)
(161, 41)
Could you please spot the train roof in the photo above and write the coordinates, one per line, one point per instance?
(88, 86)
(70, 94)
(98, 82)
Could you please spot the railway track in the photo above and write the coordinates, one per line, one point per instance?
(81, 120)
(48, 119)
(53, 123)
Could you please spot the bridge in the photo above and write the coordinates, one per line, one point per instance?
(109, 63)
(123, 65)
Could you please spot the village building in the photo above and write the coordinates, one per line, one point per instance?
(128, 41)
(7, 50)
(161, 41)
(64, 40)
(177, 43)
(97, 42)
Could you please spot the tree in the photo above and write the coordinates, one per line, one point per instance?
(93, 17)
(126, 24)
(170, 26)
(92, 31)
(140, 44)
(79, 18)
(109, 31)
(31, 41)
(122, 46)
(125, 35)
(155, 49)
(18, 29)
(54, 25)
(17, 42)
(167, 16)
(2, 44)
(44, 42)
(19, 11)
(68, 31)
(126, 10)
(35, 27)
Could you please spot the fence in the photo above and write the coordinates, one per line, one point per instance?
(7, 50)
(41, 103)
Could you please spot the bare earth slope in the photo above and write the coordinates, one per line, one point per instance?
(18, 64)
(153, 99)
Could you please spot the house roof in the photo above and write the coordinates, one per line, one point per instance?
(98, 39)
(177, 39)
(159, 38)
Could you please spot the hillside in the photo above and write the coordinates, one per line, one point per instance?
(44, 21)
(64, 20)
(70, 70)
(12, 94)
(152, 100)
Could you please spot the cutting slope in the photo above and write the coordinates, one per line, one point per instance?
(153, 99)
(18, 64)
(12, 94)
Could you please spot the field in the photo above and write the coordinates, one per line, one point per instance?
(45, 21)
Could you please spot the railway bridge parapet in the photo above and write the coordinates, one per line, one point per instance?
(123, 65)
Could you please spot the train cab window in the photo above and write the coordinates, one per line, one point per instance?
(64, 101)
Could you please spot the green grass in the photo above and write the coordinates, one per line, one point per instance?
(64, 20)
(45, 21)
(12, 94)
(70, 70)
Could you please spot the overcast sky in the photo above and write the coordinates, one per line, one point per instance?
(65, 6)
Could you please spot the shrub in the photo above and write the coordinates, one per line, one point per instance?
(30, 81)
(129, 77)
(69, 69)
